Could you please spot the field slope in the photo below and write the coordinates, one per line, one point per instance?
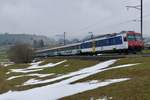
(50, 79)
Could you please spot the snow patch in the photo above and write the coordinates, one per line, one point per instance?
(79, 74)
(25, 70)
(7, 73)
(35, 67)
(38, 75)
(31, 81)
(82, 73)
(64, 88)
(5, 64)
(56, 91)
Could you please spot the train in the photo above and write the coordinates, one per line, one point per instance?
(123, 42)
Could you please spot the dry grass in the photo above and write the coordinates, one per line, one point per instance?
(138, 88)
(50, 60)
(15, 84)
(146, 51)
(70, 66)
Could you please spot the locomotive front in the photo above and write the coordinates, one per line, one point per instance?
(135, 41)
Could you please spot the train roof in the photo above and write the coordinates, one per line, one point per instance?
(107, 35)
(112, 34)
(65, 46)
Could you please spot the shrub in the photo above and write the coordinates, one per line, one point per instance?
(21, 53)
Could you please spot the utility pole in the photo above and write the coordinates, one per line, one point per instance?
(142, 18)
(91, 35)
(139, 7)
(64, 38)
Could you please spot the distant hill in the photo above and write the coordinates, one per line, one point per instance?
(11, 39)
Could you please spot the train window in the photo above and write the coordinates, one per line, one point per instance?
(119, 40)
(114, 41)
(103, 43)
(111, 41)
(86, 45)
(98, 43)
(107, 42)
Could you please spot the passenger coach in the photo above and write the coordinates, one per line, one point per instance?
(125, 41)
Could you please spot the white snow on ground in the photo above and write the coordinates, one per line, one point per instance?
(13, 77)
(25, 70)
(38, 75)
(64, 88)
(8, 73)
(79, 74)
(35, 67)
(5, 64)
(56, 91)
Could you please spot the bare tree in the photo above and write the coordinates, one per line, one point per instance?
(21, 53)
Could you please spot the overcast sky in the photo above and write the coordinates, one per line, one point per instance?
(76, 17)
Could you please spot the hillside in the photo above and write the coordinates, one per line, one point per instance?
(76, 79)
(10, 39)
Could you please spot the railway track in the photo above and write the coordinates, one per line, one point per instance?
(101, 57)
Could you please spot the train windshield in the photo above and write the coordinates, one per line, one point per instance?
(134, 37)
(138, 37)
(131, 37)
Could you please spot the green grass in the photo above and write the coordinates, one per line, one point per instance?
(70, 66)
(3, 56)
(146, 51)
(18, 66)
(138, 88)
(48, 60)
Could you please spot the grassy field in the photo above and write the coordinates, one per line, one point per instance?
(4, 53)
(146, 51)
(64, 68)
(3, 56)
(138, 88)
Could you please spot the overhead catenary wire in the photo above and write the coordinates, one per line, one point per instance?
(90, 26)
(124, 22)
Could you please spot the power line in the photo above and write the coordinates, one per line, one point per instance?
(64, 37)
(136, 7)
(139, 7)
(123, 22)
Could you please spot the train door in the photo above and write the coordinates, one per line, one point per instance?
(93, 46)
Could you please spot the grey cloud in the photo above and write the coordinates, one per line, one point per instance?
(51, 17)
